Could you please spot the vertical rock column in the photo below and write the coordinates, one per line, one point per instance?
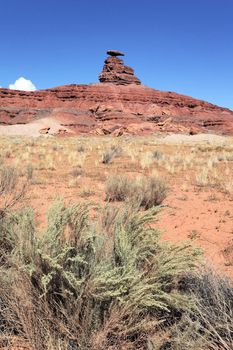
(114, 71)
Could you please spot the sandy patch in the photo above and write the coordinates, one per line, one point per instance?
(33, 129)
(182, 138)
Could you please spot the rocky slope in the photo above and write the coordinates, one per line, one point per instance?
(118, 105)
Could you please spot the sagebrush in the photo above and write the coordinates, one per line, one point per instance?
(84, 284)
(144, 192)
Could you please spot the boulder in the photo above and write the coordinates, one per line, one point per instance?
(115, 53)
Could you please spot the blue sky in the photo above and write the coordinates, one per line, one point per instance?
(174, 45)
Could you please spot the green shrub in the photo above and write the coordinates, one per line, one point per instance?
(150, 192)
(118, 188)
(214, 307)
(75, 286)
(208, 325)
(144, 192)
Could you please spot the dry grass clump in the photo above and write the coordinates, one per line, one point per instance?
(146, 192)
(228, 253)
(29, 171)
(215, 308)
(210, 322)
(70, 287)
(150, 192)
(12, 187)
(76, 171)
(118, 188)
(157, 154)
(141, 155)
(80, 148)
(109, 154)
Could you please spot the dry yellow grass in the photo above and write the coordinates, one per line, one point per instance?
(201, 163)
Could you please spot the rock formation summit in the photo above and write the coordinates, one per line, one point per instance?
(116, 72)
(115, 53)
(118, 105)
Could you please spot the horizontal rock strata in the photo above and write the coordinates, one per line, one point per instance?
(116, 72)
(118, 105)
(140, 109)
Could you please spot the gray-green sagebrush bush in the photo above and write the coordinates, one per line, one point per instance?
(213, 296)
(208, 325)
(82, 284)
(144, 192)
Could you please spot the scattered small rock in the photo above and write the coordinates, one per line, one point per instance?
(44, 130)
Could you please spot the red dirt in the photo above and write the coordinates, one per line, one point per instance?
(204, 216)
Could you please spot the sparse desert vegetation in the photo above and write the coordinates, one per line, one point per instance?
(116, 197)
(105, 241)
(145, 192)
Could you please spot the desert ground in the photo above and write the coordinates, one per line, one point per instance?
(179, 279)
(197, 170)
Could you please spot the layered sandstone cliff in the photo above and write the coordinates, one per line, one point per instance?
(114, 107)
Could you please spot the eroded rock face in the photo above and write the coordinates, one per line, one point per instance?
(118, 105)
(115, 71)
(132, 109)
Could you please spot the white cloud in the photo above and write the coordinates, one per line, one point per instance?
(22, 84)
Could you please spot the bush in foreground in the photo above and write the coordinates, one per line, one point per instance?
(214, 308)
(75, 287)
(208, 325)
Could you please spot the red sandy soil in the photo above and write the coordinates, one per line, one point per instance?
(206, 217)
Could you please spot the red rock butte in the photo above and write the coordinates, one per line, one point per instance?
(116, 72)
(118, 105)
